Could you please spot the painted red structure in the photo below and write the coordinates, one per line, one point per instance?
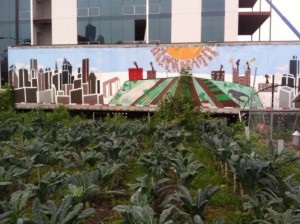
(135, 74)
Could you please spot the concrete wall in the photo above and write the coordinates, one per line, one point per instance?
(41, 9)
(41, 34)
(41, 22)
(186, 21)
(64, 22)
(231, 20)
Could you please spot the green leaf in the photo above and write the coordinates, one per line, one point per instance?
(197, 220)
(86, 213)
(71, 216)
(163, 218)
(5, 216)
(5, 183)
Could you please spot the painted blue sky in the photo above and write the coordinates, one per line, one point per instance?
(269, 59)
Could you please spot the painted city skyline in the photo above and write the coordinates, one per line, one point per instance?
(68, 81)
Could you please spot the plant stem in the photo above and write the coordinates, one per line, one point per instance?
(234, 182)
(38, 174)
(222, 168)
(241, 190)
(226, 172)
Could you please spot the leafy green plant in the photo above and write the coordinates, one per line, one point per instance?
(194, 206)
(259, 202)
(179, 110)
(294, 195)
(144, 207)
(8, 159)
(136, 214)
(186, 167)
(56, 157)
(223, 147)
(107, 174)
(276, 157)
(47, 186)
(38, 150)
(14, 212)
(8, 129)
(115, 119)
(83, 159)
(6, 98)
(59, 114)
(77, 137)
(249, 172)
(168, 135)
(10, 176)
(239, 130)
(114, 149)
(68, 212)
(156, 162)
(149, 189)
(145, 214)
(83, 186)
(275, 217)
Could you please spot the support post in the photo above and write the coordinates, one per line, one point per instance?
(147, 21)
(272, 106)
(17, 23)
(149, 118)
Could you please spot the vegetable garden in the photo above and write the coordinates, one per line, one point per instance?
(179, 168)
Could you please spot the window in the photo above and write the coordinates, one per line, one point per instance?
(154, 9)
(24, 15)
(140, 29)
(123, 21)
(88, 12)
(213, 17)
(128, 10)
(94, 11)
(83, 12)
(140, 9)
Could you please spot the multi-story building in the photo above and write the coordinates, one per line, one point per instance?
(152, 21)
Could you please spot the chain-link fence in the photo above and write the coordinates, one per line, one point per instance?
(275, 124)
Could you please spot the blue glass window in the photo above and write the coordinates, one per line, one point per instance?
(213, 17)
(118, 21)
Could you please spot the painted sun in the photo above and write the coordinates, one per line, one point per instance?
(175, 58)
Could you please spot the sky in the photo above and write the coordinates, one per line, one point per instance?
(280, 31)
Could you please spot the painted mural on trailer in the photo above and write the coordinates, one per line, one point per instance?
(239, 76)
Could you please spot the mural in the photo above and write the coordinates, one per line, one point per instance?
(214, 76)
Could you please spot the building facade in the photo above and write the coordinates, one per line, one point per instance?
(133, 21)
(51, 22)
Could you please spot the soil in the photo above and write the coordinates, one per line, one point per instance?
(103, 214)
